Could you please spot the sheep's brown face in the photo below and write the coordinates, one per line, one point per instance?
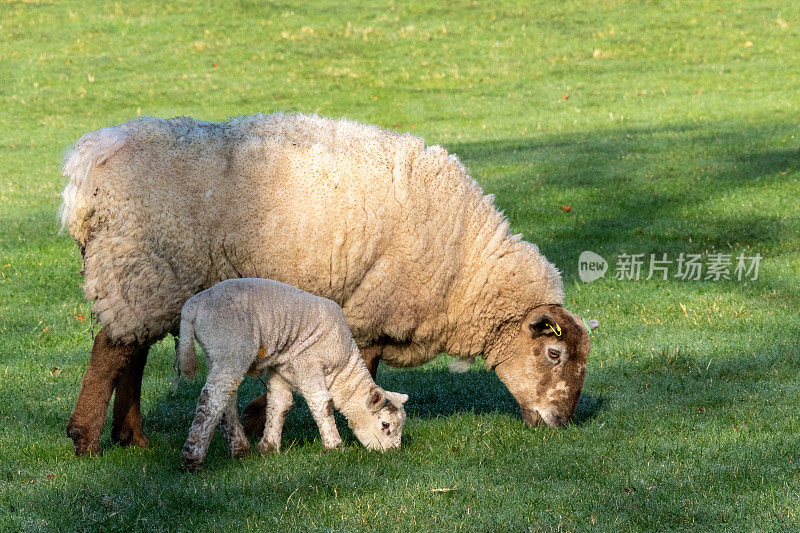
(542, 361)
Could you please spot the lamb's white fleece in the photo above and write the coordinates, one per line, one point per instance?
(260, 325)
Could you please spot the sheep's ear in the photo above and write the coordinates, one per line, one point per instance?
(543, 323)
(376, 398)
(397, 397)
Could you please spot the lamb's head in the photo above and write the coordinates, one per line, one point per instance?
(542, 361)
(379, 425)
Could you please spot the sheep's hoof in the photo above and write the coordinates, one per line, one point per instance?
(193, 464)
(242, 451)
(128, 437)
(339, 446)
(268, 448)
(83, 445)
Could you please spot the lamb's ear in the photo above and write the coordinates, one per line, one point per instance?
(397, 397)
(375, 398)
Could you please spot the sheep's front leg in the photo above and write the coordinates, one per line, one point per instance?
(213, 400)
(233, 431)
(372, 356)
(310, 382)
(279, 402)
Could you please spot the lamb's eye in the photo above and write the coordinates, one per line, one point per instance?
(384, 425)
(553, 353)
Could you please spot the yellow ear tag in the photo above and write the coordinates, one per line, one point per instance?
(556, 330)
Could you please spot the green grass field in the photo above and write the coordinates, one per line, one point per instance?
(667, 127)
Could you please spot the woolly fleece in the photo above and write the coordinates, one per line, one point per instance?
(399, 235)
(257, 325)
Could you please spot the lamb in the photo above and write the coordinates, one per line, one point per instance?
(396, 233)
(257, 325)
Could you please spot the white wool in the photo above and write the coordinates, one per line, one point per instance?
(396, 233)
(92, 150)
(259, 325)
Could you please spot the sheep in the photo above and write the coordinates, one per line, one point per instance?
(396, 233)
(255, 326)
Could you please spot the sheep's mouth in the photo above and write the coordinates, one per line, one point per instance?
(534, 418)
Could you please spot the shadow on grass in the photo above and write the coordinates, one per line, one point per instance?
(437, 392)
(433, 393)
(646, 190)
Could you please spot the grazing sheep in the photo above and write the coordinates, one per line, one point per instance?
(396, 233)
(256, 325)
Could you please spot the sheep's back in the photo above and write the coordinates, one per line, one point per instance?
(184, 204)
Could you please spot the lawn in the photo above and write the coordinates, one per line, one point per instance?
(660, 127)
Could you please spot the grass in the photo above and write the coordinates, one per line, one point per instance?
(667, 127)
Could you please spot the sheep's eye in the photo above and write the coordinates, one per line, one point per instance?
(384, 425)
(553, 353)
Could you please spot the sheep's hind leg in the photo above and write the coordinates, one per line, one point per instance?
(210, 405)
(237, 441)
(126, 427)
(102, 375)
(279, 403)
(254, 416)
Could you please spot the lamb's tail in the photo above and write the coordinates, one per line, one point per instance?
(186, 356)
(91, 151)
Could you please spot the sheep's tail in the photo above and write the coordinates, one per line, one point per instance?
(186, 356)
(91, 151)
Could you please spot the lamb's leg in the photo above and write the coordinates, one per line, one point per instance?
(372, 356)
(233, 431)
(105, 364)
(311, 384)
(254, 415)
(212, 402)
(126, 427)
(279, 403)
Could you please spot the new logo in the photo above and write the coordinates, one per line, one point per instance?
(591, 266)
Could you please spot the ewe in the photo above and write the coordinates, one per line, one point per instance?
(395, 233)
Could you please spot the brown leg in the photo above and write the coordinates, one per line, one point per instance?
(372, 356)
(105, 364)
(254, 416)
(126, 427)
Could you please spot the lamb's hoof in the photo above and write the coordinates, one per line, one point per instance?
(254, 417)
(335, 447)
(241, 451)
(83, 445)
(268, 448)
(192, 464)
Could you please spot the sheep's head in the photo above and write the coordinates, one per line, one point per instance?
(542, 361)
(382, 424)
